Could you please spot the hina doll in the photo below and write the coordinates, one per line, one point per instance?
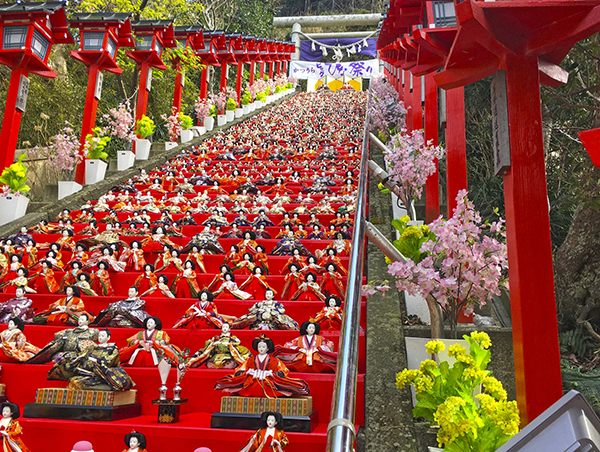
(309, 352)
(196, 255)
(146, 280)
(202, 314)
(133, 257)
(331, 282)
(316, 233)
(269, 437)
(257, 284)
(135, 442)
(262, 375)
(22, 280)
(245, 266)
(261, 233)
(229, 289)
(128, 313)
(301, 233)
(262, 220)
(30, 253)
(10, 430)
(97, 369)
(309, 289)
(221, 352)
(70, 277)
(157, 241)
(160, 288)
(233, 233)
(262, 259)
(330, 317)
(10, 271)
(14, 346)
(295, 258)
(45, 282)
(312, 266)
(19, 306)
(169, 260)
(68, 344)
(83, 282)
(233, 257)
(80, 253)
(249, 243)
(287, 244)
(266, 315)
(219, 277)
(293, 280)
(65, 311)
(142, 348)
(100, 280)
(331, 256)
(340, 244)
(185, 284)
(67, 242)
(107, 256)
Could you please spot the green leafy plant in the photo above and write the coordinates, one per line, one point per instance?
(213, 111)
(94, 145)
(186, 121)
(246, 98)
(267, 90)
(575, 341)
(15, 176)
(277, 89)
(231, 104)
(261, 97)
(411, 238)
(448, 395)
(144, 127)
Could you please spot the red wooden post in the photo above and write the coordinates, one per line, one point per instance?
(12, 119)
(238, 82)
(178, 92)
(416, 104)
(529, 246)
(252, 69)
(142, 97)
(400, 87)
(223, 85)
(285, 67)
(271, 70)
(456, 147)
(432, 185)
(89, 118)
(262, 70)
(408, 101)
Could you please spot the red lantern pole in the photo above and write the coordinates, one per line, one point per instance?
(262, 70)
(456, 147)
(416, 104)
(223, 86)
(400, 87)
(432, 185)
(252, 69)
(142, 97)
(12, 118)
(238, 82)
(178, 92)
(271, 70)
(89, 117)
(408, 101)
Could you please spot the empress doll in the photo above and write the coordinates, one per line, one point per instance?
(19, 306)
(266, 315)
(65, 311)
(185, 284)
(309, 289)
(256, 284)
(142, 348)
(331, 282)
(146, 280)
(221, 352)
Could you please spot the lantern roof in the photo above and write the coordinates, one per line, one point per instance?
(163, 27)
(195, 31)
(118, 22)
(59, 26)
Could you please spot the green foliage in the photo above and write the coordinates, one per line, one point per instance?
(15, 176)
(411, 238)
(186, 121)
(267, 90)
(95, 145)
(576, 341)
(231, 104)
(277, 89)
(213, 111)
(254, 17)
(144, 127)
(183, 57)
(261, 97)
(246, 98)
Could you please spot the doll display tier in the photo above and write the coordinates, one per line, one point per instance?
(332, 131)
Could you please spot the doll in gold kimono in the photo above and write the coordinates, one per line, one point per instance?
(221, 352)
(14, 346)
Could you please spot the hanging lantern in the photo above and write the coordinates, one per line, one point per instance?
(365, 43)
(324, 50)
(312, 46)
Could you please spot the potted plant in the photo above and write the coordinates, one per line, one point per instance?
(230, 108)
(220, 101)
(173, 124)
(119, 125)
(246, 100)
(14, 180)
(209, 121)
(95, 156)
(144, 128)
(186, 123)
(202, 109)
(261, 98)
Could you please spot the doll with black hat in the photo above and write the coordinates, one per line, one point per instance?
(10, 430)
(270, 437)
(135, 442)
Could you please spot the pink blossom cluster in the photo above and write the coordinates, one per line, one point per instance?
(202, 108)
(386, 112)
(219, 100)
(120, 122)
(465, 263)
(293, 79)
(230, 93)
(257, 87)
(410, 162)
(62, 154)
(173, 124)
(281, 80)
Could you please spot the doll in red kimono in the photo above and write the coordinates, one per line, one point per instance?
(10, 430)
(330, 317)
(270, 437)
(331, 282)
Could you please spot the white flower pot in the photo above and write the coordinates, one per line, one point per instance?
(270, 99)
(221, 120)
(66, 188)
(125, 160)
(245, 109)
(201, 130)
(209, 123)
(230, 115)
(195, 130)
(186, 135)
(257, 104)
(239, 112)
(142, 149)
(95, 170)
(12, 207)
(170, 145)
(252, 107)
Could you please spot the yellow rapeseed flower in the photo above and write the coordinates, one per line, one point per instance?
(404, 218)
(494, 388)
(423, 383)
(464, 358)
(433, 347)
(428, 365)
(474, 373)
(482, 338)
(412, 232)
(425, 229)
(456, 350)
(406, 377)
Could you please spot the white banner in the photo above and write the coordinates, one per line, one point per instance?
(353, 69)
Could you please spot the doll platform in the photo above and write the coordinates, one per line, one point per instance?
(63, 403)
(244, 413)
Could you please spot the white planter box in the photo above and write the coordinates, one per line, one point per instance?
(201, 130)
(142, 149)
(12, 207)
(66, 188)
(186, 135)
(195, 130)
(257, 104)
(239, 112)
(125, 160)
(221, 120)
(245, 109)
(170, 145)
(252, 107)
(230, 115)
(95, 170)
(209, 123)
(270, 99)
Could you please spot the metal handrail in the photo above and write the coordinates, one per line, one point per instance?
(341, 430)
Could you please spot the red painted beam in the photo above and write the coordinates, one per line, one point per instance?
(432, 185)
(416, 103)
(238, 82)
(252, 70)
(142, 96)
(535, 326)
(89, 118)
(11, 122)
(178, 93)
(408, 101)
(456, 148)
